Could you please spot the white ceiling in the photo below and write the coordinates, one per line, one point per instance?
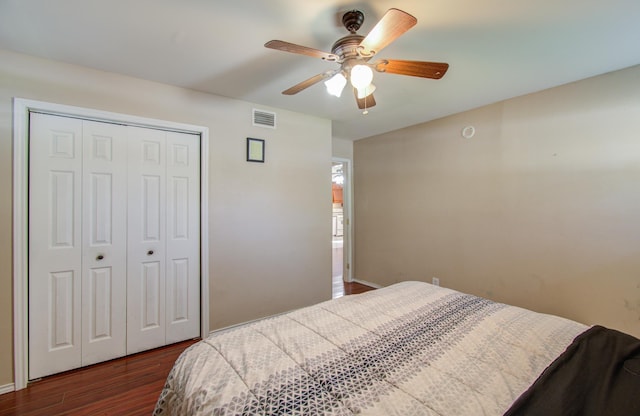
(496, 49)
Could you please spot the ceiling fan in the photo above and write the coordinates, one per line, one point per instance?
(353, 52)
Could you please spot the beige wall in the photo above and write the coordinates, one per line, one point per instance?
(269, 224)
(342, 148)
(540, 209)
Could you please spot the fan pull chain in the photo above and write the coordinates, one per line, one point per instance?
(365, 112)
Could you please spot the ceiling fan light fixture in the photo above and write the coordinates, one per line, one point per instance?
(361, 76)
(366, 91)
(336, 84)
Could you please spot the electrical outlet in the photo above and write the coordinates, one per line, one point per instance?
(435, 281)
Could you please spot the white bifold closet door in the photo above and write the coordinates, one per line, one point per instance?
(113, 241)
(163, 238)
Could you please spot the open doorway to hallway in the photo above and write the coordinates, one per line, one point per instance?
(338, 188)
(343, 282)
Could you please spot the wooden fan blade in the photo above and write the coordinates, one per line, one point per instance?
(393, 24)
(366, 102)
(281, 45)
(434, 70)
(309, 82)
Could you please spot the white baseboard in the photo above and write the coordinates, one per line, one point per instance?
(226, 328)
(7, 388)
(364, 282)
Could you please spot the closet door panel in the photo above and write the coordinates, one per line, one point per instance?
(104, 230)
(146, 239)
(150, 295)
(114, 241)
(100, 322)
(183, 236)
(55, 244)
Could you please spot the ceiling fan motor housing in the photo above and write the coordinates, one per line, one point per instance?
(347, 50)
(347, 47)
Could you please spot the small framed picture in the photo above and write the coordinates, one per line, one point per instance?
(255, 150)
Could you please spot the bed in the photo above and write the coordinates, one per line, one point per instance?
(408, 349)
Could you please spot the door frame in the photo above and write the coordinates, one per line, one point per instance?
(347, 210)
(21, 110)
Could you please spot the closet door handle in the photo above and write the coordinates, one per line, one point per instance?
(100, 257)
(149, 253)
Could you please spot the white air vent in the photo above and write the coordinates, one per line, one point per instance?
(264, 118)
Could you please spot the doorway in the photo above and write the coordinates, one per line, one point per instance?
(341, 242)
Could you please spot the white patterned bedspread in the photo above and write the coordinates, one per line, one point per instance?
(408, 349)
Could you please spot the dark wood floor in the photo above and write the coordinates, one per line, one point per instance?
(355, 288)
(126, 386)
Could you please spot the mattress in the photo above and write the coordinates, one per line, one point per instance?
(408, 349)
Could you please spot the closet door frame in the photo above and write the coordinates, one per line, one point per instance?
(21, 110)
